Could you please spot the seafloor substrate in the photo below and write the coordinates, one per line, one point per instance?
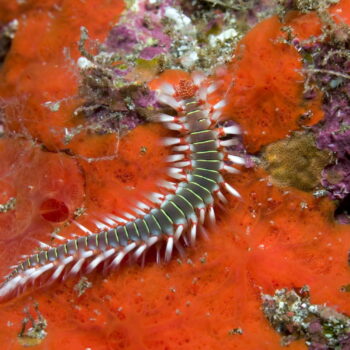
(210, 299)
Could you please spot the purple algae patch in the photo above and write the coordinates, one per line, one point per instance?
(148, 53)
(290, 312)
(330, 68)
(131, 121)
(143, 34)
(121, 38)
(145, 98)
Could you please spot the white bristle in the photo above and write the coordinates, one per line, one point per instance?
(230, 189)
(129, 216)
(204, 232)
(101, 257)
(118, 259)
(198, 78)
(129, 247)
(67, 260)
(143, 206)
(158, 259)
(221, 197)
(182, 148)
(170, 101)
(164, 118)
(174, 126)
(108, 253)
(211, 88)
(152, 240)
(202, 93)
(232, 130)
(175, 157)
(108, 221)
(26, 274)
(180, 186)
(76, 268)
(57, 273)
(211, 215)
(183, 164)
(155, 198)
(60, 238)
(83, 228)
(193, 233)
(205, 113)
(236, 159)
(216, 115)
(41, 270)
(167, 89)
(230, 169)
(158, 195)
(179, 231)
(86, 254)
(44, 245)
(219, 105)
(170, 141)
(167, 184)
(169, 249)
(100, 225)
(139, 251)
(8, 287)
(120, 256)
(201, 215)
(139, 212)
(176, 173)
(93, 264)
(227, 143)
(117, 219)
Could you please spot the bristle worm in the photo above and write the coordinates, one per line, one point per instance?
(173, 218)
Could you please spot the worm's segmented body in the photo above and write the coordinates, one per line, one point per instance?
(173, 219)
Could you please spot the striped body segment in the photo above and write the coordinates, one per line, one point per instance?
(166, 220)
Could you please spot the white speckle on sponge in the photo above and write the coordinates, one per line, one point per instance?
(179, 18)
(223, 36)
(84, 63)
(189, 59)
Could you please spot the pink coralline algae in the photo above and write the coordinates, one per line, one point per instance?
(142, 32)
(113, 83)
(121, 38)
(119, 109)
(291, 313)
(328, 67)
(334, 135)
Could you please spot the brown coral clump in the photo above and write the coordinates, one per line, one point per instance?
(296, 162)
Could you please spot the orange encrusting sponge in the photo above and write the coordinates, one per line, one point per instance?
(265, 84)
(265, 242)
(41, 66)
